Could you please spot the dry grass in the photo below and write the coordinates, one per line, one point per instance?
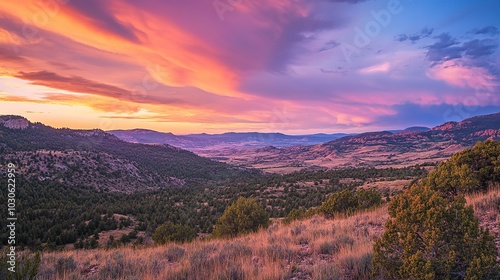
(487, 208)
(394, 185)
(315, 248)
(311, 249)
(288, 160)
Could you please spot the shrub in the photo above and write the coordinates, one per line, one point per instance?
(201, 261)
(115, 267)
(295, 214)
(344, 241)
(467, 171)
(243, 216)
(339, 202)
(368, 198)
(125, 239)
(328, 271)
(65, 265)
(179, 274)
(328, 248)
(346, 201)
(297, 230)
(357, 267)
(432, 237)
(231, 251)
(170, 232)
(232, 271)
(277, 252)
(174, 253)
(27, 265)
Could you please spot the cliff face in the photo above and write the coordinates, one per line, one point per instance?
(14, 122)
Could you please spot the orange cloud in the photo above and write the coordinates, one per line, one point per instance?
(181, 59)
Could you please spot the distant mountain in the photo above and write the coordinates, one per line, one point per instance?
(411, 129)
(197, 142)
(376, 149)
(101, 160)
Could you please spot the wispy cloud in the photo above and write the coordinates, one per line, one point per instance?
(74, 84)
(276, 65)
(487, 30)
(384, 67)
(424, 33)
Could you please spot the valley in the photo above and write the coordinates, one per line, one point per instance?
(373, 149)
(88, 191)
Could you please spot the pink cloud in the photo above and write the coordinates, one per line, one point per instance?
(453, 72)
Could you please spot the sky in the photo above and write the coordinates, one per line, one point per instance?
(291, 66)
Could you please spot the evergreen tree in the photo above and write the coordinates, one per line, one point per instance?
(467, 171)
(346, 201)
(431, 237)
(173, 232)
(243, 216)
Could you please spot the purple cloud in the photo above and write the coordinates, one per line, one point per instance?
(98, 14)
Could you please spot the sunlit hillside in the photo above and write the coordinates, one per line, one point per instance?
(314, 248)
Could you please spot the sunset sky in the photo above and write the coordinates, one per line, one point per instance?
(293, 66)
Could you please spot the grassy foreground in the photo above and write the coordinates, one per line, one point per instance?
(316, 248)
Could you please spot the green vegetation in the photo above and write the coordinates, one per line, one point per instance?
(346, 201)
(51, 214)
(57, 206)
(162, 161)
(467, 171)
(295, 214)
(432, 234)
(243, 216)
(430, 237)
(170, 232)
(27, 265)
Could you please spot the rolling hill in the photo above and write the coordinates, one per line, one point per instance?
(372, 149)
(63, 155)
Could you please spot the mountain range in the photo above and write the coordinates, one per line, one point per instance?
(203, 141)
(372, 149)
(110, 158)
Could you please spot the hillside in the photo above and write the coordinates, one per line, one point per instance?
(372, 149)
(334, 240)
(314, 248)
(67, 178)
(45, 153)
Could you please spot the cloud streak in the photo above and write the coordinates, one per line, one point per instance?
(277, 65)
(74, 84)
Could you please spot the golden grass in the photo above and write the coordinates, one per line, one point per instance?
(486, 207)
(302, 249)
(482, 200)
(315, 248)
